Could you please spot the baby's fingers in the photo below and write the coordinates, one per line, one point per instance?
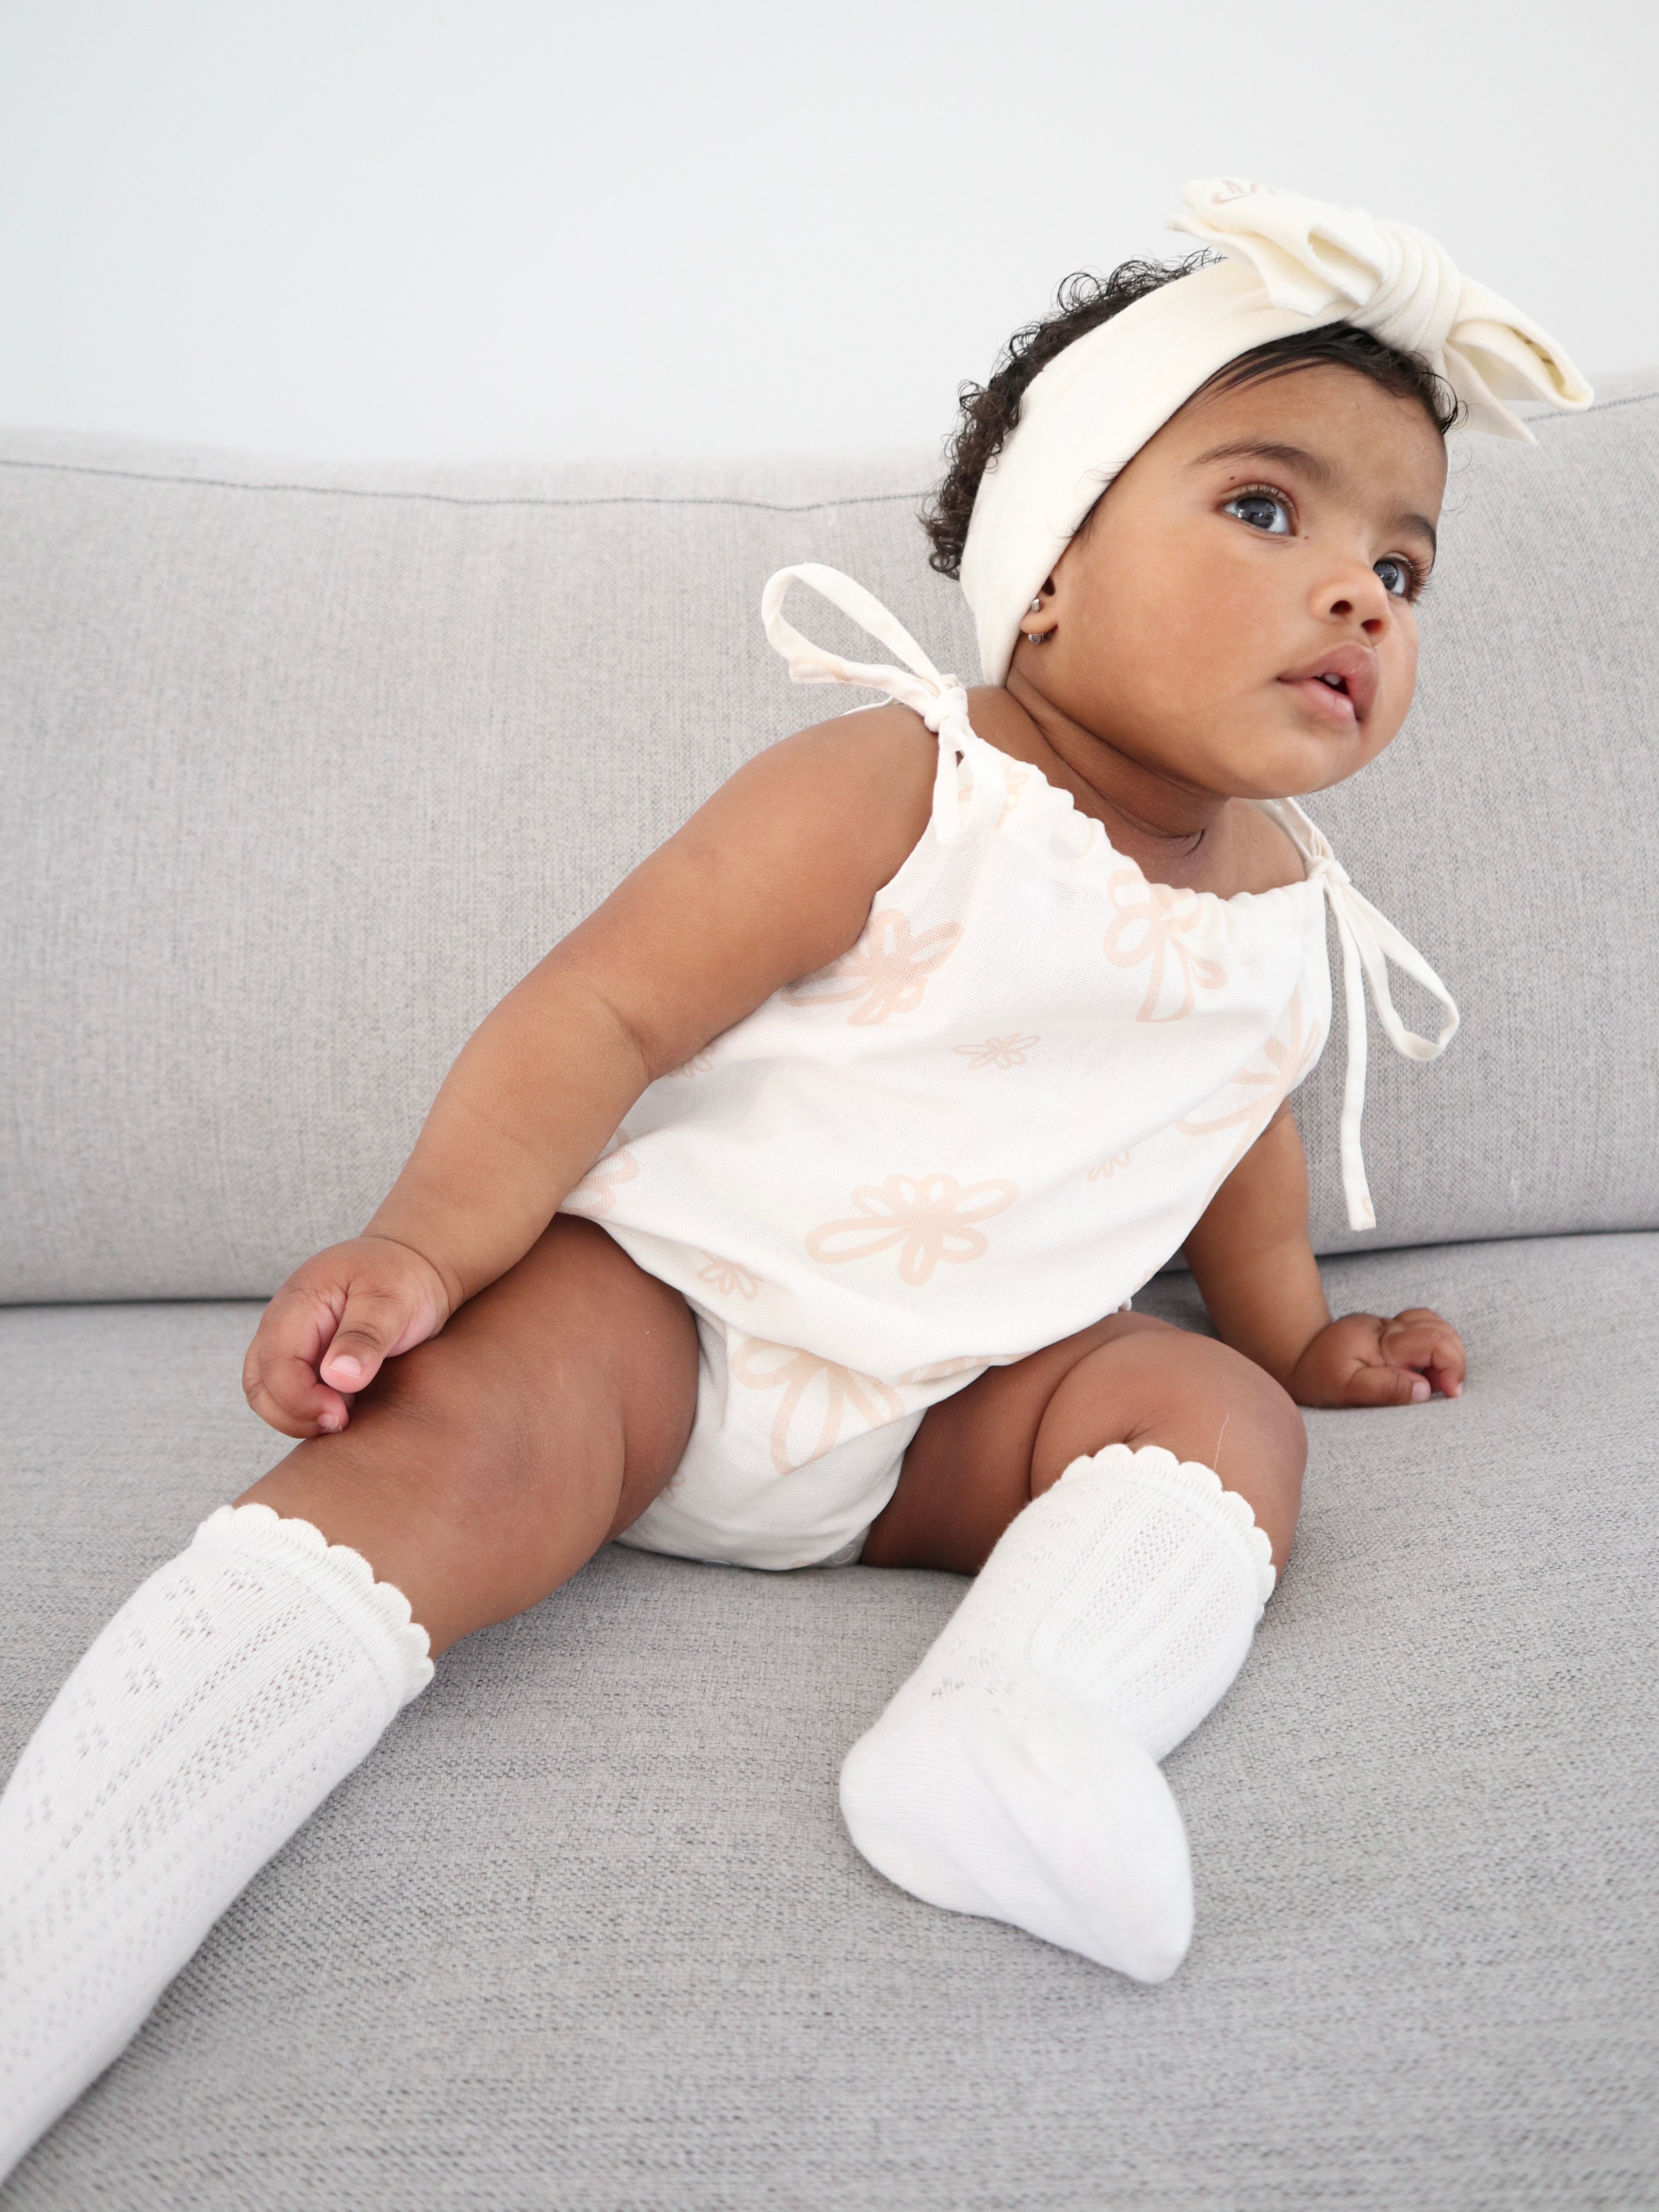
(283, 1390)
(327, 1331)
(1386, 1386)
(1420, 1340)
(371, 1328)
(279, 1376)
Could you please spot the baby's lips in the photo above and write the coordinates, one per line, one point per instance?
(1355, 664)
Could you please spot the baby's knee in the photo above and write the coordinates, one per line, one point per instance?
(1218, 1407)
(1194, 1397)
(452, 1430)
(1238, 1386)
(1182, 1371)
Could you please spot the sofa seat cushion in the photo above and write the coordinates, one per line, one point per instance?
(586, 1931)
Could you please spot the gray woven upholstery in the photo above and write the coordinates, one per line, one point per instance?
(586, 1932)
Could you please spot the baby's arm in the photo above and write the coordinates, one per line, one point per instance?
(772, 878)
(1251, 1259)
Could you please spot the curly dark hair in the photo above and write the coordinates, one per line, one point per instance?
(990, 411)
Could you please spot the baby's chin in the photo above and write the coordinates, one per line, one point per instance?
(1253, 747)
(1285, 759)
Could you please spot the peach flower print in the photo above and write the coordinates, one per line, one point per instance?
(727, 1278)
(1151, 924)
(1015, 780)
(931, 1218)
(1283, 1061)
(998, 1052)
(818, 1389)
(1108, 1169)
(945, 1371)
(699, 1064)
(884, 974)
(596, 1194)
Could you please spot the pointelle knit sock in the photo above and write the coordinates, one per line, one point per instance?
(1015, 1773)
(217, 1710)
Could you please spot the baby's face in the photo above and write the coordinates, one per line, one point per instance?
(1239, 615)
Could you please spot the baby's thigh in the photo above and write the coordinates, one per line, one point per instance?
(981, 1457)
(575, 1359)
(481, 1469)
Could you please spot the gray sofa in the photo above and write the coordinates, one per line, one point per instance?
(303, 767)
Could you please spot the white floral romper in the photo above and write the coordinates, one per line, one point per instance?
(985, 1126)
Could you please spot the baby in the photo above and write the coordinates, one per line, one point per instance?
(789, 1212)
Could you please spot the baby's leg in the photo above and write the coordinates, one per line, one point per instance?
(249, 1675)
(981, 1457)
(482, 1470)
(1014, 1774)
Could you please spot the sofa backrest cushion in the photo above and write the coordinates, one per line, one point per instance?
(301, 767)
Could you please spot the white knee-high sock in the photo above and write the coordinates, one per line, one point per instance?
(1015, 1774)
(218, 1709)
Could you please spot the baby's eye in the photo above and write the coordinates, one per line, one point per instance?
(1399, 578)
(1262, 510)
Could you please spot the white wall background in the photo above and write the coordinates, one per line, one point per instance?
(384, 228)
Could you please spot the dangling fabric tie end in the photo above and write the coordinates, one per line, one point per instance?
(1368, 941)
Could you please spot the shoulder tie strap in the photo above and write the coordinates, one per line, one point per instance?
(1369, 940)
(959, 817)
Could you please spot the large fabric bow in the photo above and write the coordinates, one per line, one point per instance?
(1397, 282)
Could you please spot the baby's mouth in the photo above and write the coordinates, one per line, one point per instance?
(1341, 684)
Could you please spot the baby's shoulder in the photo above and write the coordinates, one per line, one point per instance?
(845, 799)
(873, 768)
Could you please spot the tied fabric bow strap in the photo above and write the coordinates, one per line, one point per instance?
(1369, 941)
(941, 702)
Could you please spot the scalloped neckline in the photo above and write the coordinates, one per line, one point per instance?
(1064, 799)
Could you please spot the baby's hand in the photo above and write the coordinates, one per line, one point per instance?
(334, 1322)
(1364, 1360)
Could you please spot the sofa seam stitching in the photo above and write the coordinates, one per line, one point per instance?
(466, 499)
(597, 499)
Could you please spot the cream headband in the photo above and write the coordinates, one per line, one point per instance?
(1293, 264)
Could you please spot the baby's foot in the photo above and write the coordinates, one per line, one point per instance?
(999, 1796)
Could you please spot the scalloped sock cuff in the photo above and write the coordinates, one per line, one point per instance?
(213, 1715)
(1015, 1774)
